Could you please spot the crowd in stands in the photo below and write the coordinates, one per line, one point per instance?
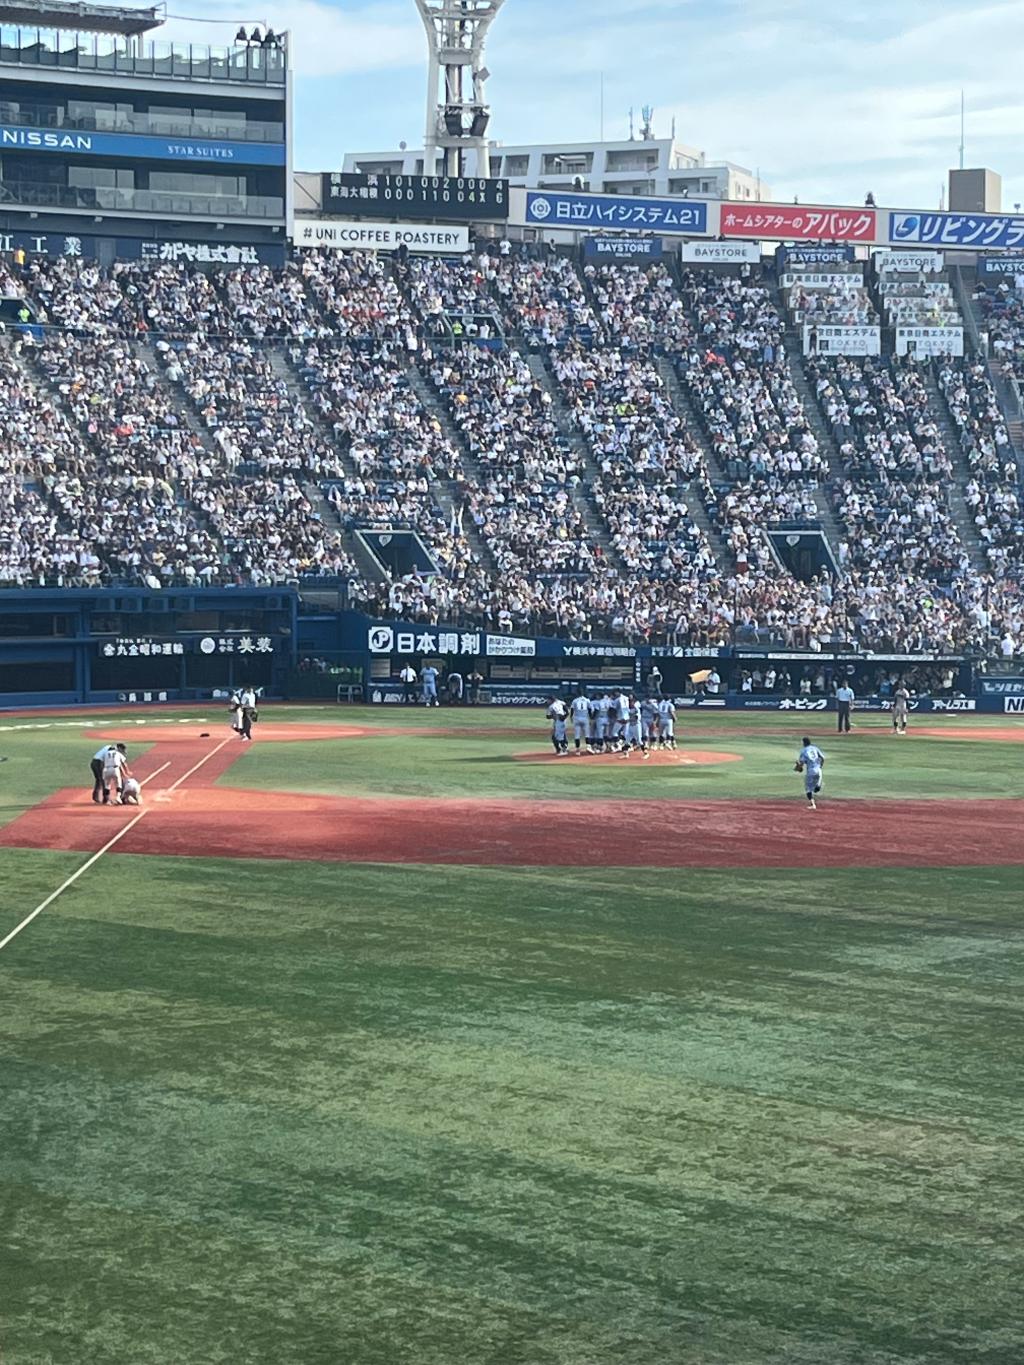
(237, 424)
(892, 497)
(992, 491)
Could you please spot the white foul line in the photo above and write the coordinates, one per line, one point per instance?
(106, 848)
(156, 774)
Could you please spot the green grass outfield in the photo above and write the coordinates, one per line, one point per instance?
(270, 1113)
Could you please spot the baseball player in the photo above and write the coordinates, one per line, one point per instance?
(115, 770)
(649, 722)
(811, 762)
(579, 708)
(428, 680)
(667, 723)
(621, 720)
(602, 720)
(96, 767)
(131, 792)
(635, 730)
(900, 702)
(556, 715)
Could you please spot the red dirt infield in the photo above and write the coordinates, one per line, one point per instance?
(203, 820)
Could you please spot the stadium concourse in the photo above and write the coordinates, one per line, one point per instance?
(599, 456)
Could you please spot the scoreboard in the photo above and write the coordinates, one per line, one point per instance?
(414, 196)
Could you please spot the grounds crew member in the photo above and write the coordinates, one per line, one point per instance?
(408, 678)
(844, 700)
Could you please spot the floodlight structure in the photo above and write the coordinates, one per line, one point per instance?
(457, 112)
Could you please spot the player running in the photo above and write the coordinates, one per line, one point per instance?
(557, 713)
(810, 761)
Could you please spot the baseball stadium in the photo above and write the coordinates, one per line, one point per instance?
(511, 698)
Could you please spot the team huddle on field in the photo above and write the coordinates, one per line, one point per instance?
(619, 723)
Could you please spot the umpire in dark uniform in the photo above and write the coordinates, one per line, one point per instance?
(844, 700)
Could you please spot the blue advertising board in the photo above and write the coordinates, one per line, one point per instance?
(1010, 263)
(70, 142)
(814, 255)
(978, 230)
(556, 209)
(623, 249)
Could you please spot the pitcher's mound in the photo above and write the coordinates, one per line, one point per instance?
(660, 758)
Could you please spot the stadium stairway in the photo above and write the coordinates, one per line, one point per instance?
(185, 410)
(961, 473)
(683, 409)
(811, 406)
(446, 494)
(1006, 395)
(597, 529)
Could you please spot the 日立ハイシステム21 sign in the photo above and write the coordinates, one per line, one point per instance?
(555, 209)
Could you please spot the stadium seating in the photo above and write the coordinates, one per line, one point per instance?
(237, 425)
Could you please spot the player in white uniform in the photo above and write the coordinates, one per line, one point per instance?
(810, 761)
(556, 715)
(131, 792)
(115, 770)
(667, 723)
(900, 702)
(649, 721)
(579, 709)
(602, 718)
(635, 730)
(621, 713)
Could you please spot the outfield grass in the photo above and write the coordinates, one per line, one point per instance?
(330, 1114)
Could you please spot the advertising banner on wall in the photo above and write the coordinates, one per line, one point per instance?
(967, 230)
(48, 243)
(720, 253)
(200, 253)
(1011, 264)
(814, 255)
(929, 341)
(557, 209)
(72, 142)
(623, 249)
(831, 280)
(840, 340)
(794, 220)
(339, 234)
(908, 262)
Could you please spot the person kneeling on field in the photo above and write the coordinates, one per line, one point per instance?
(131, 792)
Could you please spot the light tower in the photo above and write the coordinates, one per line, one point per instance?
(457, 112)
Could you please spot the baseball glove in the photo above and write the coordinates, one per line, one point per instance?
(798, 767)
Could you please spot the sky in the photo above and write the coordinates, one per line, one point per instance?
(826, 100)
